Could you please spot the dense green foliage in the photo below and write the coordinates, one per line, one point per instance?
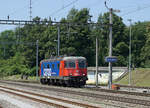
(18, 47)
(120, 47)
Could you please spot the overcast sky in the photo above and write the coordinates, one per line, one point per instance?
(137, 10)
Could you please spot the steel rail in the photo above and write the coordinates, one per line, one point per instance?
(52, 98)
(34, 99)
(134, 87)
(120, 92)
(93, 95)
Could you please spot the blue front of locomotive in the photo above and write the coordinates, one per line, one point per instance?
(49, 68)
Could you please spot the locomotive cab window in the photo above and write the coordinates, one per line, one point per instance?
(53, 66)
(82, 64)
(70, 64)
(48, 66)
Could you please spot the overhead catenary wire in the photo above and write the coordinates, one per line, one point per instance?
(71, 3)
(95, 3)
(12, 42)
(136, 10)
(52, 23)
(21, 9)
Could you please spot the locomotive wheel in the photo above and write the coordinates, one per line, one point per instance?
(46, 81)
(77, 85)
(53, 82)
(43, 81)
(57, 82)
(67, 83)
(83, 83)
(63, 83)
(49, 82)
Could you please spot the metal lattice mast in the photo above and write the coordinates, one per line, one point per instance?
(30, 10)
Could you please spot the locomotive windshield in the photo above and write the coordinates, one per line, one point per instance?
(82, 64)
(70, 64)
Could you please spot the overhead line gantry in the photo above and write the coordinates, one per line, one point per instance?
(26, 22)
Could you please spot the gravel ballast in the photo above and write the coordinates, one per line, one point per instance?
(84, 99)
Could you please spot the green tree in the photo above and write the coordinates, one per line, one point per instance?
(13, 66)
(138, 41)
(48, 43)
(7, 44)
(76, 39)
(119, 38)
(145, 52)
(30, 34)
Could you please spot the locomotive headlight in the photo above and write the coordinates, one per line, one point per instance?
(83, 74)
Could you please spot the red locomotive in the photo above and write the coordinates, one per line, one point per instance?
(66, 71)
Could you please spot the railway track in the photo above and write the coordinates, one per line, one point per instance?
(93, 95)
(113, 91)
(24, 94)
(134, 87)
(120, 92)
